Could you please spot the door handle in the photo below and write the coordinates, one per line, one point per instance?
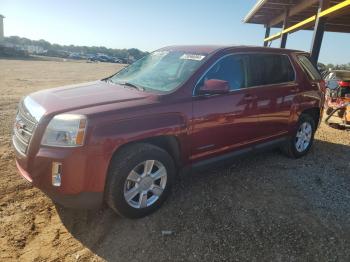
(249, 97)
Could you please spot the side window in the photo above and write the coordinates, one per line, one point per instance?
(267, 69)
(230, 69)
(287, 69)
(309, 68)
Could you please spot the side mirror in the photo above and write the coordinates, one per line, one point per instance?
(215, 86)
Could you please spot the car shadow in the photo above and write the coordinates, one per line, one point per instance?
(262, 207)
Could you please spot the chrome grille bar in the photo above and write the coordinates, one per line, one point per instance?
(23, 129)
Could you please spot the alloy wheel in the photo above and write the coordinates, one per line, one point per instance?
(303, 137)
(145, 184)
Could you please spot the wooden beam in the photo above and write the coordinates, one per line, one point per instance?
(336, 9)
(337, 28)
(293, 11)
(253, 11)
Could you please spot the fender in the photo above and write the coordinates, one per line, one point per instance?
(107, 138)
(305, 101)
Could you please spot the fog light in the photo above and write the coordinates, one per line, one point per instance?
(56, 173)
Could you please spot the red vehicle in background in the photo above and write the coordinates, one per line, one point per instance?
(123, 139)
(338, 95)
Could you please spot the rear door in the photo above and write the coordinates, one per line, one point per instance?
(271, 77)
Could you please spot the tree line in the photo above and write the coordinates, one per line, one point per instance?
(335, 66)
(60, 50)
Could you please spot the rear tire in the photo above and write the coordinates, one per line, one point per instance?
(132, 189)
(302, 139)
(329, 111)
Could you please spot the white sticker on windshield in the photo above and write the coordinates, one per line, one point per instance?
(160, 53)
(192, 57)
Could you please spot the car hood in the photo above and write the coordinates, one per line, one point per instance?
(74, 97)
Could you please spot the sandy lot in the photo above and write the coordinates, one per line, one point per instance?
(265, 207)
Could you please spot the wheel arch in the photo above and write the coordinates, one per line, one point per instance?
(315, 113)
(169, 143)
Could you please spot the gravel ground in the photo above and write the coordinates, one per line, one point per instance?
(264, 207)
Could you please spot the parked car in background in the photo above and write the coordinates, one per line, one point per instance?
(75, 56)
(117, 60)
(337, 92)
(100, 58)
(339, 75)
(123, 139)
(105, 58)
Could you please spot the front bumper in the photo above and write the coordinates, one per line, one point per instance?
(84, 200)
(83, 175)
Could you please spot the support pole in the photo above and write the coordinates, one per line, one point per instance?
(285, 25)
(1, 28)
(318, 32)
(267, 34)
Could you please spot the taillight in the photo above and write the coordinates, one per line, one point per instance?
(344, 84)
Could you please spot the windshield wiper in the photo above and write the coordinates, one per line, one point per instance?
(109, 81)
(133, 86)
(140, 88)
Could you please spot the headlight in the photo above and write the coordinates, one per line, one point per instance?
(66, 130)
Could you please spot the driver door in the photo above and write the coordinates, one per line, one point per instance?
(223, 122)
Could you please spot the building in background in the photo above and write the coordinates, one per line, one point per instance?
(1, 28)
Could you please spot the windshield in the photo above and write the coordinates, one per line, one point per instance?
(160, 71)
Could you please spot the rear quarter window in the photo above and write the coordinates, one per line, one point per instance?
(309, 68)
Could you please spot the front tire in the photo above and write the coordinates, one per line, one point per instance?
(302, 139)
(139, 180)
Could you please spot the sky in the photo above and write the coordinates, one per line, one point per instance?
(151, 24)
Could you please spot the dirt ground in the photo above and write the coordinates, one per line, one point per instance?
(265, 207)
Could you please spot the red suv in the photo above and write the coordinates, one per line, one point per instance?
(123, 139)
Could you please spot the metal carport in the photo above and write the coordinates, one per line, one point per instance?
(293, 15)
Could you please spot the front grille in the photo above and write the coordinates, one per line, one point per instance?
(23, 129)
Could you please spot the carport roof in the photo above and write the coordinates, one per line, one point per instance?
(272, 12)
